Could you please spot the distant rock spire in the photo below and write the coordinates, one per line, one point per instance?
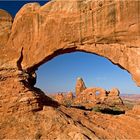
(80, 86)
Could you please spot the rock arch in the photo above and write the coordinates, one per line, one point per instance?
(106, 28)
(109, 28)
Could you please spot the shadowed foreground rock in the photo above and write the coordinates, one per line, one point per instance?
(36, 35)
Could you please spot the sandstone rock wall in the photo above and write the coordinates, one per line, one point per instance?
(38, 34)
(107, 28)
(93, 96)
(5, 27)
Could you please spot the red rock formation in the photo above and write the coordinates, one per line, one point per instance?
(59, 97)
(110, 29)
(5, 27)
(114, 98)
(38, 34)
(69, 96)
(136, 109)
(92, 96)
(80, 86)
(114, 92)
(64, 98)
(89, 97)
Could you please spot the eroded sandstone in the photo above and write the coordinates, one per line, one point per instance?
(80, 86)
(107, 28)
(36, 35)
(90, 97)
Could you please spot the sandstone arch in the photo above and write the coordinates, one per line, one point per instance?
(90, 94)
(37, 34)
(106, 28)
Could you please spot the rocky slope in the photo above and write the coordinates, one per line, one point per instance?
(27, 113)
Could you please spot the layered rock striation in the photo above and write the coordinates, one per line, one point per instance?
(106, 28)
(39, 33)
(80, 86)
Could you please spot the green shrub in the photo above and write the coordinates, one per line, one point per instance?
(67, 103)
(108, 110)
(96, 109)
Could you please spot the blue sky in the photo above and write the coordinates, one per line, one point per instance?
(13, 6)
(59, 74)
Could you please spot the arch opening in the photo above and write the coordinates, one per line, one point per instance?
(59, 74)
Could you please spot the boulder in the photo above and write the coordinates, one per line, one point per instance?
(114, 92)
(113, 98)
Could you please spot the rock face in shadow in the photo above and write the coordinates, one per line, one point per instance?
(36, 35)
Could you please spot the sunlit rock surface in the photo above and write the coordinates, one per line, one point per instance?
(37, 34)
(90, 97)
(80, 86)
